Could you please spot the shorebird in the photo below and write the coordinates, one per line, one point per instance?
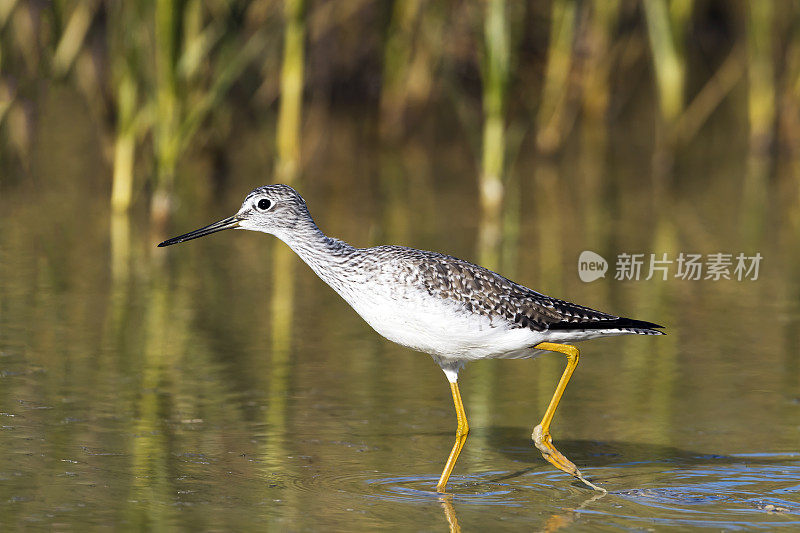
(453, 310)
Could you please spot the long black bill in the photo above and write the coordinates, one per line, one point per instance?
(228, 223)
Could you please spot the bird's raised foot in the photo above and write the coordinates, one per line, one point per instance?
(544, 442)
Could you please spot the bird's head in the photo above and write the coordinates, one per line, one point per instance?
(274, 209)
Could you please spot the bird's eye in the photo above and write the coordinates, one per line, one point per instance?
(264, 204)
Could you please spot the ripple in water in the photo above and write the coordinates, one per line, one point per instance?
(470, 489)
(743, 491)
(497, 488)
(731, 492)
(725, 492)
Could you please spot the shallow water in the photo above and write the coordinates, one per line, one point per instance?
(144, 387)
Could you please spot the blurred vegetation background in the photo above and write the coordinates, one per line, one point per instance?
(170, 84)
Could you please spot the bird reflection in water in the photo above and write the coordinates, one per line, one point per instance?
(556, 521)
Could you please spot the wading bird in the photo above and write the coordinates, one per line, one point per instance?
(437, 304)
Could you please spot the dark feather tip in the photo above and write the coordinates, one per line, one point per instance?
(615, 323)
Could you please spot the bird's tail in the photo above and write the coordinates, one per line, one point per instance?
(639, 327)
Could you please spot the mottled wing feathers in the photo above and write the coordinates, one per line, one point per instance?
(487, 293)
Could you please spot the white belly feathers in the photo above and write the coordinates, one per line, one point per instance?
(440, 326)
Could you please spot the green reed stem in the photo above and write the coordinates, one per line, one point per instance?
(549, 117)
(670, 68)
(289, 116)
(124, 143)
(495, 81)
(760, 73)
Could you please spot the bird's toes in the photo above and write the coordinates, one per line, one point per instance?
(544, 443)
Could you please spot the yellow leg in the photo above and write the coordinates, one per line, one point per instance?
(461, 437)
(541, 433)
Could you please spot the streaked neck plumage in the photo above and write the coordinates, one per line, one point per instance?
(331, 259)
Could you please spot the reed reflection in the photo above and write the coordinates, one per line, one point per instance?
(152, 439)
(120, 264)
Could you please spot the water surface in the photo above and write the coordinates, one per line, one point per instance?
(144, 387)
